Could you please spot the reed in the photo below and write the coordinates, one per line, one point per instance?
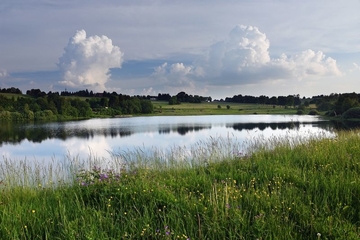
(280, 188)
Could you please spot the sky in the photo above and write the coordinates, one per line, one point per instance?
(203, 47)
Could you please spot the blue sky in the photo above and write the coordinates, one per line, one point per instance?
(210, 48)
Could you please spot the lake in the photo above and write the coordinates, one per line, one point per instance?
(102, 137)
(44, 152)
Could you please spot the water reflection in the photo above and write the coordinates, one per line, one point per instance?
(114, 128)
(101, 136)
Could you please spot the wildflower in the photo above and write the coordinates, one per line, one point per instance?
(103, 176)
(33, 211)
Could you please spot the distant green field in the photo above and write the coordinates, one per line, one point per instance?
(164, 109)
(10, 95)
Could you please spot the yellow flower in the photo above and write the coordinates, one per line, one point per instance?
(33, 211)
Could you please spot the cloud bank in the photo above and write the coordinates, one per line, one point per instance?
(244, 58)
(86, 61)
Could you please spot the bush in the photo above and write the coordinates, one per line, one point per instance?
(352, 113)
(46, 115)
(16, 117)
(313, 112)
(5, 116)
(300, 112)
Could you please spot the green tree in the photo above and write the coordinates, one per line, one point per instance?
(146, 106)
(104, 102)
(82, 107)
(173, 100)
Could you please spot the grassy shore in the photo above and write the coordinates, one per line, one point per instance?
(280, 190)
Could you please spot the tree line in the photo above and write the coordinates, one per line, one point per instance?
(290, 100)
(10, 90)
(346, 104)
(182, 97)
(38, 105)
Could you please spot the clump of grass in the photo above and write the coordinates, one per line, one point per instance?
(286, 189)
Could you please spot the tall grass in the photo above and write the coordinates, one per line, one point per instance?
(284, 189)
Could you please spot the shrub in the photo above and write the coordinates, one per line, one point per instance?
(5, 116)
(331, 113)
(300, 112)
(16, 117)
(313, 112)
(352, 113)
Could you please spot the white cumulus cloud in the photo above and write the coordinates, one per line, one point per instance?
(86, 61)
(244, 58)
(176, 74)
(308, 63)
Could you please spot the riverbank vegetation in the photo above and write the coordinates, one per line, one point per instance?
(280, 189)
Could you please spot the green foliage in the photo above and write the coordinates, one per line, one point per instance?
(46, 115)
(173, 100)
(352, 113)
(346, 101)
(313, 112)
(146, 106)
(37, 107)
(5, 116)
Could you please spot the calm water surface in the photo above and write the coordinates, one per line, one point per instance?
(101, 137)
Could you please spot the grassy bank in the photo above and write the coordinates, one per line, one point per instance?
(310, 191)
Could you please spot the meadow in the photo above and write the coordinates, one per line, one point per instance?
(280, 189)
(218, 108)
